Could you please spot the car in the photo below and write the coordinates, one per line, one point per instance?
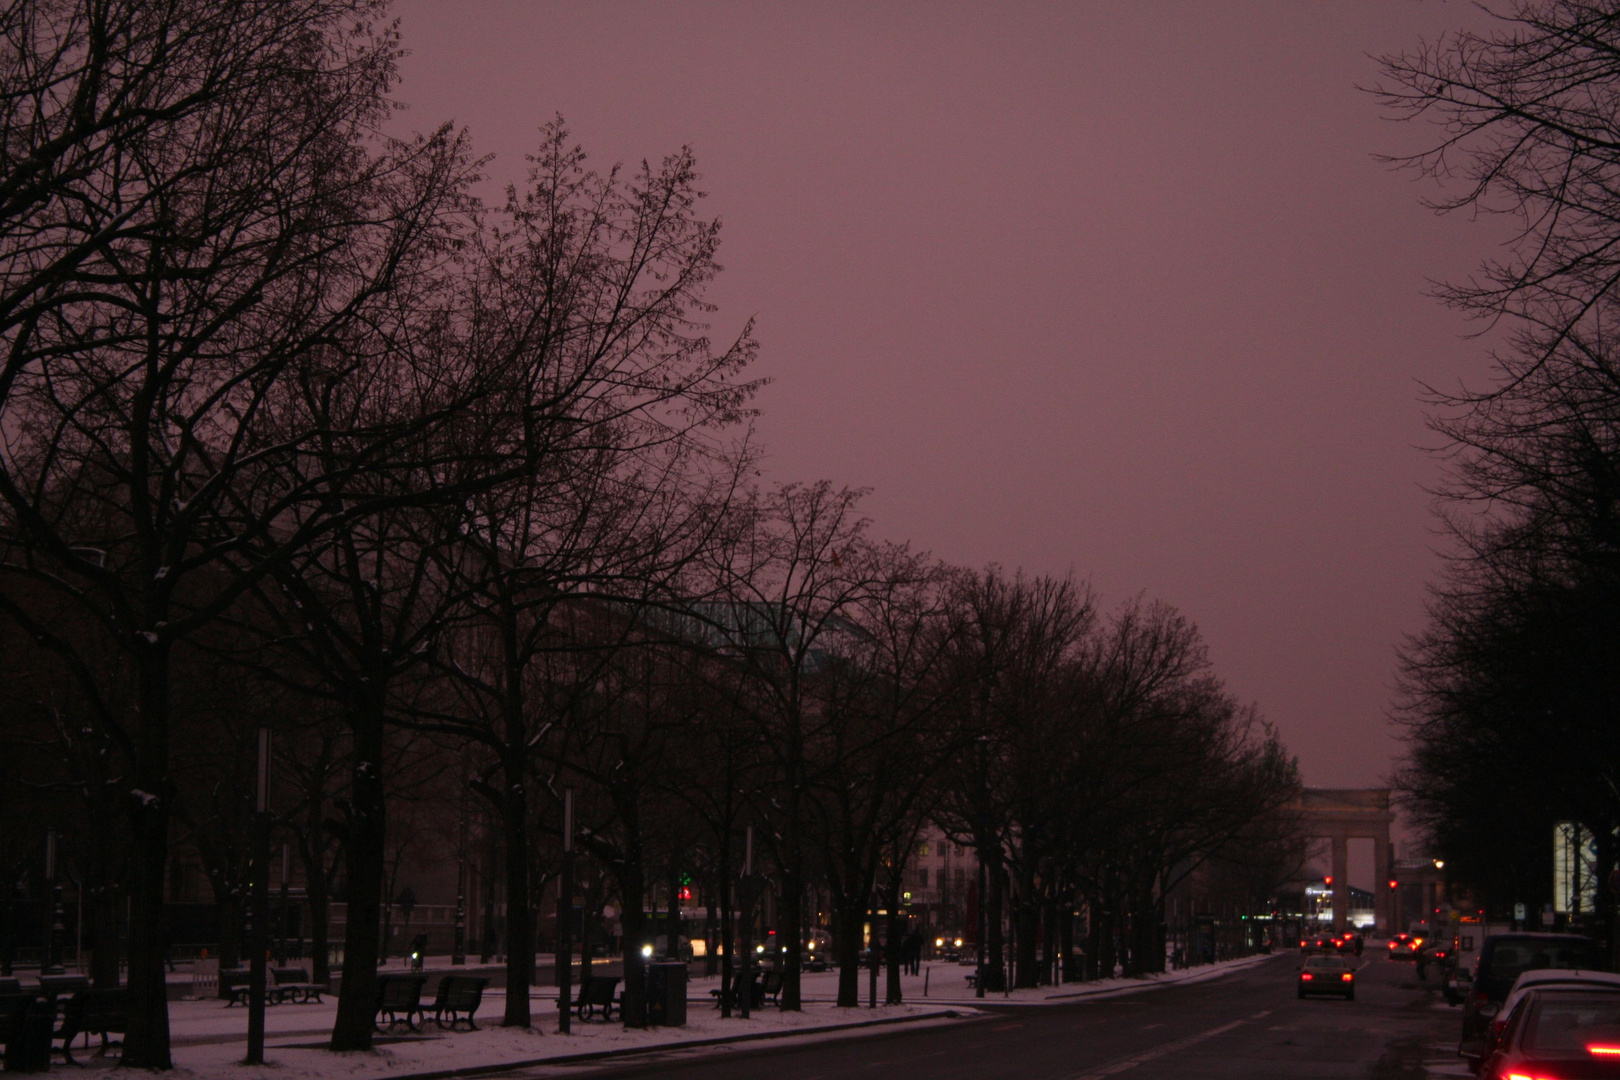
(1327, 975)
(1502, 959)
(1547, 977)
(1404, 947)
(658, 948)
(1350, 941)
(1559, 1031)
(1322, 943)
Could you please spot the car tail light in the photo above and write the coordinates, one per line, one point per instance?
(1307, 977)
(1602, 1050)
(1347, 976)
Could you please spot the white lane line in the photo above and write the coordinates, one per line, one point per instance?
(1168, 1048)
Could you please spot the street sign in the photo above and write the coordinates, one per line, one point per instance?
(1518, 912)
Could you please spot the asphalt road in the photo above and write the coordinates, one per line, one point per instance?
(1248, 1024)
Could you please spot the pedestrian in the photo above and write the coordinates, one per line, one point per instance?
(913, 951)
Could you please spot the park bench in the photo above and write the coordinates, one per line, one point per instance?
(398, 997)
(26, 1020)
(458, 994)
(736, 991)
(596, 996)
(233, 986)
(292, 984)
(773, 986)
(13, 1007)
(93, 1012)
(55, 986)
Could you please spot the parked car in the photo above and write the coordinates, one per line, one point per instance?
(658, 948)
(1533, 980)
(1560, 1031)
(1502, 959)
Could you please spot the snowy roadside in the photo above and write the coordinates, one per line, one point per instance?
(209, 1040)
(293, 1054)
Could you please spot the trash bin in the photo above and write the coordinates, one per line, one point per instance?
(30, 1047)
(666, 994)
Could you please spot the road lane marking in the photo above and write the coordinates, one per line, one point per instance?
(1168, 1048)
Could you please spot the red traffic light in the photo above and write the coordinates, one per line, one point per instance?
(1328, 879)
(1393, 883)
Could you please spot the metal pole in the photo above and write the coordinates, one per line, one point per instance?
(747, 980)
(52, 962)
(281, 948)
(458, 951)
(259, 906)
(565, 916)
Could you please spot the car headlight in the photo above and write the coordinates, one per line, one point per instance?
(646, 950)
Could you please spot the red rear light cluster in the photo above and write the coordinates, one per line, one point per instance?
(1307, 977)
(1347, 976)
(1601, 1050)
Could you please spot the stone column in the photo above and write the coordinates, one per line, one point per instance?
(1341, 883)
(1383, 895)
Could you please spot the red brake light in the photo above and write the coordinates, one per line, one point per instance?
(1307, 977)
(1347, 976)
(1601, 1050)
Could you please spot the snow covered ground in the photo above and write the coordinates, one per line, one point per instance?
(209, 1039)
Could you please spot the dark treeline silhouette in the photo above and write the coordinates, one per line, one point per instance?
(458, 500)
(1511, 689)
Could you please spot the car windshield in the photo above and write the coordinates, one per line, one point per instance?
(1510, 958)
(1571, 1022)
(1327, 962)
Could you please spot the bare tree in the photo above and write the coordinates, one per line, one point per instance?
(194, 204)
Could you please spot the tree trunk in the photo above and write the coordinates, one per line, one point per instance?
(1073, 969)
(229, 906)
(790, 924)
(1026, 969)
(892, 945)
(995, 939)
(320, 910)
(146, 1042)
(711, 959)
(103, 927)
(849, 917)
(1049, 961)
(365, 859)
(632, 893)
(519, 909)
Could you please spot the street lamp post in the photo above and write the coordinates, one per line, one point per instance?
(565, 912)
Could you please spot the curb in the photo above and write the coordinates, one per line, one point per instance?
(632, 1051)
(1160, 984)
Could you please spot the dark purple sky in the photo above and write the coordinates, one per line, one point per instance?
(1116, 288)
